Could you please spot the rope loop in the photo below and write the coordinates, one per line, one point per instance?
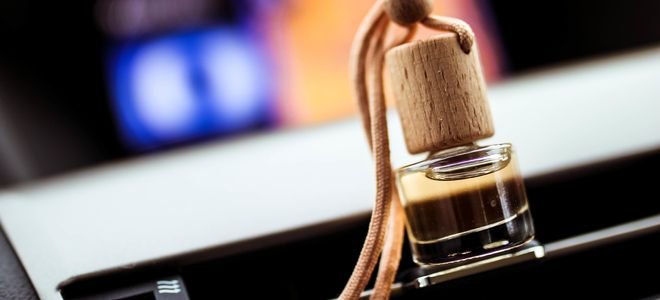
(463, 31)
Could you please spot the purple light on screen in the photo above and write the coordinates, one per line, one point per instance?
(190, 85)
(163, 98)
(235, 77)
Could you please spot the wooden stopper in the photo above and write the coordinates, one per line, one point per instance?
(440, 93)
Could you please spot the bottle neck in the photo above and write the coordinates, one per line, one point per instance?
(453, 149)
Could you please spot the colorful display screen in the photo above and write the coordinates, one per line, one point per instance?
(188, 85)
(181, 73)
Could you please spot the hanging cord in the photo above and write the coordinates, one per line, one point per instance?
(370, 36)
(385, 233)
(391, 252)
(358, 60)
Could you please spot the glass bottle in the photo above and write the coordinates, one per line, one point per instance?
(463, 203)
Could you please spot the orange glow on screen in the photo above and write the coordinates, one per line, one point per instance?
(312, 40)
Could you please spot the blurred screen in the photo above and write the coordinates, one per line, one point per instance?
(190, 84)
(180, 72)
(183, 72)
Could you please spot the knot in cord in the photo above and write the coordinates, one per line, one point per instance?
(408, 12)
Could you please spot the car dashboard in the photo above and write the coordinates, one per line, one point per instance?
(278, 216)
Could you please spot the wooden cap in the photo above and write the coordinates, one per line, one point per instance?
(440, 93)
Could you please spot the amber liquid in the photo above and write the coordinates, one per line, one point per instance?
(454, 220)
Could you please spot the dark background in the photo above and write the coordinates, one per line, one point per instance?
(541, 33)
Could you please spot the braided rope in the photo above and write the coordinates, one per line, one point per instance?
(385, 234)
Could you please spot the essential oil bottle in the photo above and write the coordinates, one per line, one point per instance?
(464, 201)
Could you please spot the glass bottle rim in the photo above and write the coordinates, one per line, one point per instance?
(454, 153)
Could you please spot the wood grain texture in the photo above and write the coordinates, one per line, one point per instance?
(440, 93)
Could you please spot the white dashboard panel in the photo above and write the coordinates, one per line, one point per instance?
(119, 215)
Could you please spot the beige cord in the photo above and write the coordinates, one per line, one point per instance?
(385, 232)
(372, 121)
(391, 252)
(463, 31)
(358, 60)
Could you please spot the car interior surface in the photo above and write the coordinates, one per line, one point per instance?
(212, 149)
